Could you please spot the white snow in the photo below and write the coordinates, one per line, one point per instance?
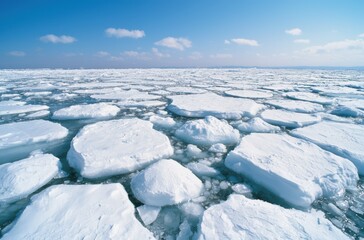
(185, 90)
(86, 111)
(202, 170)
(12, 107)
(289, 119)
(257, 125)
(296, 106)
(163, 122)
(115, 147)
(295, 170)
(144, 104)
(125, 95)
(166, 182)
(208, 131)
(309, 97)
(202, 105)
(343, 139)
(249, 94)
(79, 212)
(243, 218)
(148, 214)
(23, 177)
(218, 148)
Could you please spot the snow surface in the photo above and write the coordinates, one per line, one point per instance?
(23, 177)
(202, 105)
(208, 131)
(11, 107)
(97, 110)
(310, 97)
(276, 162)
(343, 139)
(243, 218)
(257, 125)
(249, 94)
(166, 182)
(115, 147)
(289, 119)
(79, 212)
(296, 106)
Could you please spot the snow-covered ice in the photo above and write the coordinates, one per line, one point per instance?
(115, 147)
(257, 125)
(163, 122)
(309, 97)
(148, 214)
(97, 110)
(243, 218)
(277, 162)
(125, 96)
(166, 182)
(253, 94)
(296, 106)
(207, 132)
(289, 119)
(79, 212)
(343, 139)
(12, 107)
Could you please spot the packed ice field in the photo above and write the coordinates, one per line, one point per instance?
(182, 154)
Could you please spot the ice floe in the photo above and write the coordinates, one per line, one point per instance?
(296, 106)
(309, 97)
(249, 94)
(125, 96)
(13, 107)
(257, 125)
(97, 110)
(289, 119)
(148, 214)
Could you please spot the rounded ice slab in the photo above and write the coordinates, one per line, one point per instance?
(97, 110)
(208, 131)
(257, 125)
(202, 105)
(243, 218)
(309, 97)
(343, 139)
(79, 212)
(296, 106)
(289, 119)
(295, 170)
(21, 178)
(249, 93)
(30, 132)
(115, 147)
(14, 107)
(166, 182)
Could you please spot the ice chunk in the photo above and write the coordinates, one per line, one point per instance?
(294, 169)
(188, 90)
(39, 114)
(79, 212)
(249, 94)
(257, 125)
(242, 189)
(166, 182)
(289, 119)
(296, 106)
(97, 110)
(243, 218)
(23, 177)
(163, 122)
(345, 111)
(343, 139)
(115, 147)
(202, 105)
(148, 214)
(13, 107)
(145, 104)
(208, 131)
(218, 148)
(201, 169)
(309, 97)
(126, 95)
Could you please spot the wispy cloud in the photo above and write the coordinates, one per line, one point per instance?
(221, 55)
(122, 33)
(102, 54)
(195, 56)
(227, 42)
(294, 31)
(176, 43)
(330, 47)
(361, 35)
(17, 53)
(135, 54)
(157, 53)
(302, 41)
(243, 41)
(58, 39)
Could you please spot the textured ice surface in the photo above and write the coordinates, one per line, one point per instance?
(310, 97)
(343, 139)
(208, 131)
(148, 214)
(277, 162)
(115, 147)
(79, 212)
(125, 95)
(289, 119)
(202, 105)
(243, 218)
(249, 94)
(97, 110)
(257, 125)
(296, 106)
(13, 107)
(166, 182)
(23, 177)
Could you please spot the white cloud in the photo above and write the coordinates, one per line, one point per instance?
(17, 53)
(57, 39)
(102, 54)
(121, 33)
(177, 43)
(157, 53)
(227, 42)
(330, 47)
(195, 56)
(221, 55)
(361, 35)
(303, 41)
(294, 31)
(243, 41)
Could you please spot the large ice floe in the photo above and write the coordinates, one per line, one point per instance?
(289, 119)
(249, 94)
(296, 106)
(17, 107)
(116, 147)
(243, 218)
(309, 97)
(79, 212)
(97, 110)
(343, 139)
(23, 177)
(295, 170)
(166, 182)
(202, 105)
(207, 132)
(257, 125)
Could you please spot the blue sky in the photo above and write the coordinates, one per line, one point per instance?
(176, 33)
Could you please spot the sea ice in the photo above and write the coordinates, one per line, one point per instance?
(148, 214)
(296, 106)
(243, 218)
(166, 182)
(13, 107)
(309, 97)
(289, 119)
(126, 95)
(79, 212)
(257, 125)
(296, 170)
(96, 110)
(208, 131)
(249, 94)
(115, 147)
(163, 122)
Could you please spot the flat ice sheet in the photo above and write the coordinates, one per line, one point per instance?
(289, 119)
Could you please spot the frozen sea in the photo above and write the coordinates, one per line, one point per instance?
(182, 154)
